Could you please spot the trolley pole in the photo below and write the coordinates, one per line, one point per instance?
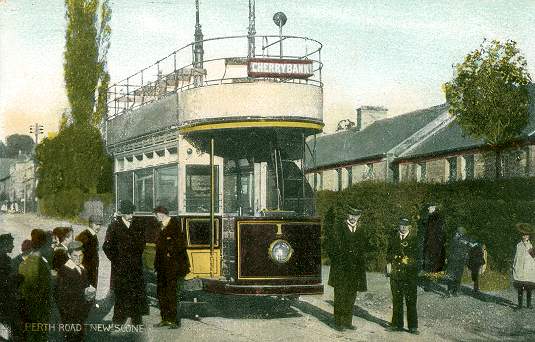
(212, 208)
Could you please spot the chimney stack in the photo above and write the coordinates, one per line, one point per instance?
(366, 115)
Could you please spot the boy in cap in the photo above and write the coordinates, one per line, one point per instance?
(123, 245)
(346, 247)
(171, 265)
(402, 267)
(89, 239)
(73, 293)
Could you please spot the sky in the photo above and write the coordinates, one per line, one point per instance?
(394, 53)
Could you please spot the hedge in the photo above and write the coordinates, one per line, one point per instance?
(487, 209)
(69, 203)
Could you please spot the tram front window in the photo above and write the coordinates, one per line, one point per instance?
(197, 195)
(238, 186)
(291, 191)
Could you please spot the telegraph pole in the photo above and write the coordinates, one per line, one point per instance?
(36, 129)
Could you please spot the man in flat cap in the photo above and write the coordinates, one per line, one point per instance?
(402, 267)
(346, 245)
(73, 294)
(123, 245)
(171, 265)
(88, 237)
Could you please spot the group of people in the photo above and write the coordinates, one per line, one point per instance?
(124, 245)
(53, 278)
(411, 256)
(58, 273)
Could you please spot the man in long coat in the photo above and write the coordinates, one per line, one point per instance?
(89, 239)
(431, 234)
(123, 245)
(346, 245)
(171, 265)
(402, 258)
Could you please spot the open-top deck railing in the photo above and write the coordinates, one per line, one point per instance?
(225, 61)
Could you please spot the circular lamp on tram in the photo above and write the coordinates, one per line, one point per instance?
(280, 251)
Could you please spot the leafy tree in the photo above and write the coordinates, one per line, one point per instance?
(74, 165)
(3, 150)
(489, 97)
(344, 125)
(16, 143)
(86, 45)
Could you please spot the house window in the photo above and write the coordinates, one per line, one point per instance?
(468, 167)
(368, 173)
(124, 186)
(452, 168)
(349, 176)
(338, 179)
(421, 172)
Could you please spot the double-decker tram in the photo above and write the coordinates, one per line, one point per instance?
(216, 132)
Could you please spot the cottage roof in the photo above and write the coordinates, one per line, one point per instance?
(451, 138)
(372, 142)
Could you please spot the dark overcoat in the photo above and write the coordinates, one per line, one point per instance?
(346, 251)
(69, 293)
(124, 247)
(90, 260)
(171, 261)
(458, 254)
(432, 233)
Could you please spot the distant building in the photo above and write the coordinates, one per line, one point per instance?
(425, 146)
(17, 182)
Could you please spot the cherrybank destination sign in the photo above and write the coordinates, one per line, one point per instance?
(280, 68)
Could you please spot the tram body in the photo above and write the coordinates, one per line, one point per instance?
(224, 154)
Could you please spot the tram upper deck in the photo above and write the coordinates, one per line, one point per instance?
(228, 87)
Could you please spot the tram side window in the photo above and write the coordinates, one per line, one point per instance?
(198, 188)
(166, 187)
(144, 190)
(124, 186)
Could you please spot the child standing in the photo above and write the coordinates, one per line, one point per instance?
(524, 265)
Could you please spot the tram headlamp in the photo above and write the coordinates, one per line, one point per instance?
(280, 251)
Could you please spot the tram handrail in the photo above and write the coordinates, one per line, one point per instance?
(125, 96)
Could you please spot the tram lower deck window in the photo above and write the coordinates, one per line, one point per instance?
(198, 188)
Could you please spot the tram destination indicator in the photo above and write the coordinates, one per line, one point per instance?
(280, 68)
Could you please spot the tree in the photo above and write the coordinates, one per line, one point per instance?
(86, 46)
(74, 165)
(344, 125)
(489, 96)
(18, 143)
(3, 150)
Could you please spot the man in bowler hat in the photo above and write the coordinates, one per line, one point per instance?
(171, 264)
(346, 244)
(123, 245)
(402, 267)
